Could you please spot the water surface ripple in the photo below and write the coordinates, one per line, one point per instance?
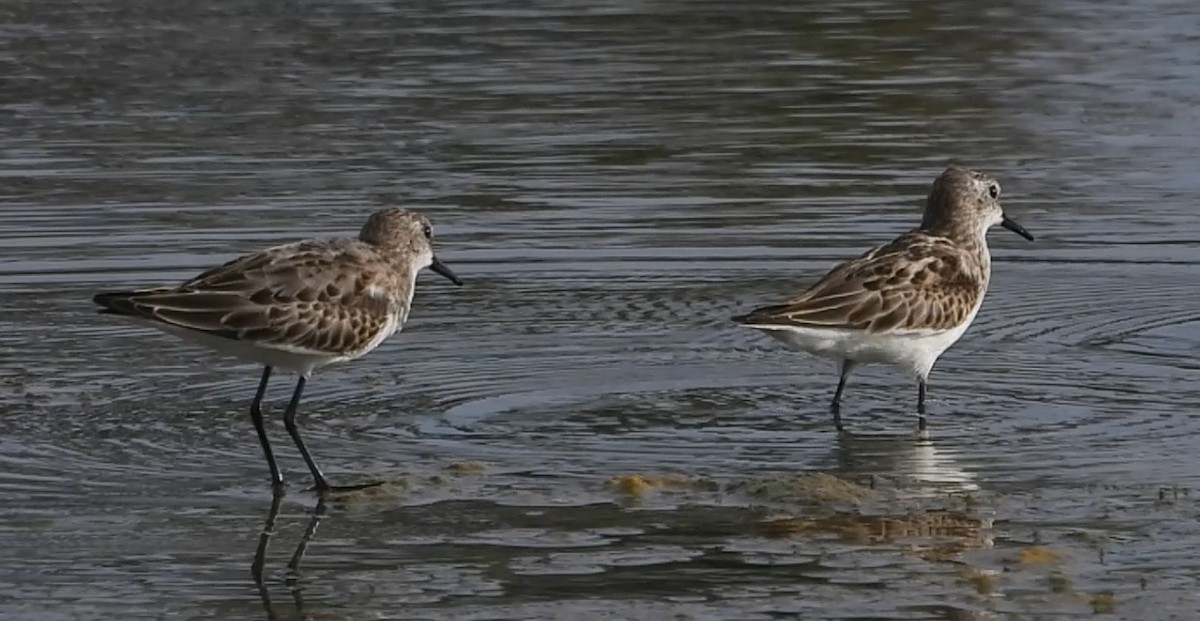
(580, 433)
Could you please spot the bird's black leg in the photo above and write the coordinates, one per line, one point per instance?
(319, 483)
(289, 421)
(836, 406)
(921, 405)
(257, 417)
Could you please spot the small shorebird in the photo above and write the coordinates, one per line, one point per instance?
(906, 302)
(297, 307)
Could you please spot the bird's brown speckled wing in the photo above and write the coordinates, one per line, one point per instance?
(320, 296)
(917, 282)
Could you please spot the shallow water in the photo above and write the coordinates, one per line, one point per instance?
(580, 433)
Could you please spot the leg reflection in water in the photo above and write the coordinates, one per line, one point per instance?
(293, 575)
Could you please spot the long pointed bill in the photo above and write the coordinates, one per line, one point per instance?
(1016, 228)
(441, 268)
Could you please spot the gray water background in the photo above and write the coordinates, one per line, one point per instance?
(580, 433)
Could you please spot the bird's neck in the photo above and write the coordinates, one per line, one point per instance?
(408, 290)
(970, 241)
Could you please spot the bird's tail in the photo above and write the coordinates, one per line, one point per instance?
(117, 303)
(765, 316)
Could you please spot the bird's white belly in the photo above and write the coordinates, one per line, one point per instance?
(281, 356)
(913, 351)
(296, 360)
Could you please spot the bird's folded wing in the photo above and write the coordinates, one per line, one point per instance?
(317, 301)
(881, 292)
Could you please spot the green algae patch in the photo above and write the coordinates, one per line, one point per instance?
(1038, 555)
(1104, 603)
(817, 489)
(638, 486)
(465, 468)
(983, 581)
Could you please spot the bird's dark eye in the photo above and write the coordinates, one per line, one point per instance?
(994, 190)
(429, 232)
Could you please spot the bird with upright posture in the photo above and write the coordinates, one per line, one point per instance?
(297, 307)
(903, 303)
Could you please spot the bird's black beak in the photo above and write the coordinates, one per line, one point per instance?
(1006, 223)
(441, 268)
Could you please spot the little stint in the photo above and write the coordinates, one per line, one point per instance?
(297, 307)
(903, 303)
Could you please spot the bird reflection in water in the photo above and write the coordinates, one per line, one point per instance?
(924, 464)
(292, 578)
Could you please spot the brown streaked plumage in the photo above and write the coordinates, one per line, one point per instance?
(916, 282)
(298, 306)
(906, 302)
(326, 297)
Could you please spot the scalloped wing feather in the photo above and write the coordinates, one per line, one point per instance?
(916, 283)
(319, 296)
